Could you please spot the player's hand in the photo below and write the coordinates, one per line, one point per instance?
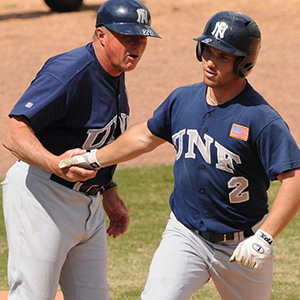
(87, 160)
(72, 173)
(254, 251)
(117, 213)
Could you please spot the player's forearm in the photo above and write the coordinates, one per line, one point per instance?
(21, 141)
(134, 142)
(286, 204)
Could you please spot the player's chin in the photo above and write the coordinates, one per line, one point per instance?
(209, 82)
(130, 67)
(131, 62)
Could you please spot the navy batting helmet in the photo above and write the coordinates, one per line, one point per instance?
(129, 17)
(233, 33)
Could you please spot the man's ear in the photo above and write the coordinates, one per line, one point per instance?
(101, 32)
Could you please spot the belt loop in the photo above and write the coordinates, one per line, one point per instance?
(77, 186)
(239, 236)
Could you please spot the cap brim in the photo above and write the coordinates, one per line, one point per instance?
(133, 29)
(220, 45)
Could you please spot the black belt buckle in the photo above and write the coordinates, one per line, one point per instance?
(217, 238)
(90, 189)
(227, 237)
(222, 238)
(84, 188)
(87, 189)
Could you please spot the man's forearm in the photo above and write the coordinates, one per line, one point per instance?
(286, 204)
(134, 142)
(21, 141)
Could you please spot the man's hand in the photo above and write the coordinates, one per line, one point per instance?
(117, 213)
(87, 161)
(72, 173)
(253, 251)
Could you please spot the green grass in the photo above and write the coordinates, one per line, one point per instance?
(3, 249)
(146, 192)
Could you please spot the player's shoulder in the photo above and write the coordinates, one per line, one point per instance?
(79, 53)
(186, 93)
(190, 88)
(256, 105)
(66, 65)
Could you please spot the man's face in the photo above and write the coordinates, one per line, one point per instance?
(123, 52)
(218, 68)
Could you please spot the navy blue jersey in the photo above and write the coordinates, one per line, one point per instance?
(74, 103)
(226, 156)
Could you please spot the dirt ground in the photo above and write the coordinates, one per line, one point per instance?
(30, 33)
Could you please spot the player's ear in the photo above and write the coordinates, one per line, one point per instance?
(101, 33)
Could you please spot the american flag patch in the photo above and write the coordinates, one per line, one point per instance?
(239, 132)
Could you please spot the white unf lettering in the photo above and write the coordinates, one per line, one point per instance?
(123, 122)
(225, 158)
(178, 137)
(194, 139)
(94, 134)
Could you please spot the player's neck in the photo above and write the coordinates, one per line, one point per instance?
(105, 61)
(219, 95)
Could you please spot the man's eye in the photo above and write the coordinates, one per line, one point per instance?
(224, 57)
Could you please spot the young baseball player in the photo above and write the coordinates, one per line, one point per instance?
(55, 223)
(230, 144)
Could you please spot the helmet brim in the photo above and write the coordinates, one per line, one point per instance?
(219, 44)
(133, 29)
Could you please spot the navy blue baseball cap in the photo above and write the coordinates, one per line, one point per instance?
(128, 17)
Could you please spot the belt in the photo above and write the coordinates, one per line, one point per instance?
(221, 238)
(87, 189)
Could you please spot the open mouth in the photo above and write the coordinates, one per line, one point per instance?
(133, 56)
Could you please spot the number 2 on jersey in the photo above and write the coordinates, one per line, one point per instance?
(238, 195)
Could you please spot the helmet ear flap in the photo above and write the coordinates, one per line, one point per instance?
(199, 50)
(237, 67)
(243, 66)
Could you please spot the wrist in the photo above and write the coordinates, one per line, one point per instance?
(265, 236)
(108, 186)
(92, 159)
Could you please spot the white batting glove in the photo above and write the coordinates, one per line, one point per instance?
(253, 251)
(87, 161)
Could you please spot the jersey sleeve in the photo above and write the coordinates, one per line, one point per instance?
(160, 123)
(43, 103)
(277, 149)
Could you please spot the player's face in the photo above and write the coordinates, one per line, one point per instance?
(124, 51)
(218, 68)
